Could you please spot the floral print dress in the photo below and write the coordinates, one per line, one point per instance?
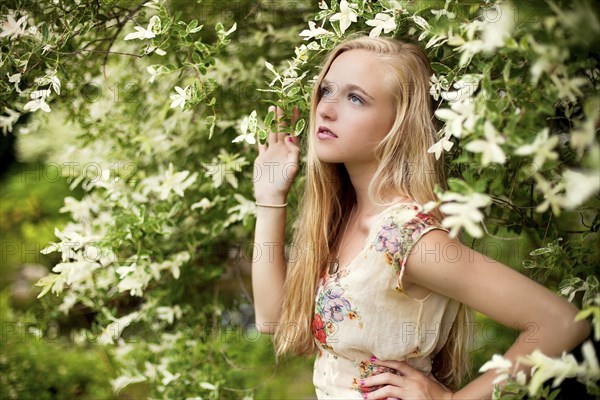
(363, 310)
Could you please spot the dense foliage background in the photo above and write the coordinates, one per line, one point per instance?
(129, 202)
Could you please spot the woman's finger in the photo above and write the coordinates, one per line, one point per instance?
(401, 366)
(386, 392)
(374, 383)
(262, 147)
(295, 115)
(280, 123)
(273, 136)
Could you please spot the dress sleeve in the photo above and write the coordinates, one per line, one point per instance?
(398, 235)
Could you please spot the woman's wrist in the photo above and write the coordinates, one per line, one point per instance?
(271, 205)
(271, 200)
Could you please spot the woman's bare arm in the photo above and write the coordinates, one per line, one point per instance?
(274, 170)
(546, 321)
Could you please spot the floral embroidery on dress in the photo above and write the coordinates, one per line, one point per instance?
(330, 309)
(396, 242)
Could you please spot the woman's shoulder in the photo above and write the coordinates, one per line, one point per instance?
(408, 214)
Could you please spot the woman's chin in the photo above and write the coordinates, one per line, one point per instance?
(326, 156)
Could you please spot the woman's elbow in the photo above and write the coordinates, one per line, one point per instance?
(264, 326)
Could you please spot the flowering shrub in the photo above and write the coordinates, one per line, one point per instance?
(516, 88)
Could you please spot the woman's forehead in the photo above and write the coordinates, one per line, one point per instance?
(362, 68)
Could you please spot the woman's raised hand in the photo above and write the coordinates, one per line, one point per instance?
(277, 163)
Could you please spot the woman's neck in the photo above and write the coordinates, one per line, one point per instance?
(360, 177)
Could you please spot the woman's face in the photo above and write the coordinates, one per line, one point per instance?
(356, 109)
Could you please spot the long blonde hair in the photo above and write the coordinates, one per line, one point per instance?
(405, 168)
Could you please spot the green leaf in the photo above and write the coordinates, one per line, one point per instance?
(441, 69)
(506, 70)
(299, 127)
(459, 186)
(269, 119)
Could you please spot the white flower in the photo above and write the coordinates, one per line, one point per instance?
(460, 118)
(154, 71)
(173, 265)
(156, 50)
(521, 378)
(498, 363)
(436, 85)
(568, 88)
(463, 211)
(579, 186)
(169, 314)
(314, 32)
(224, 167)
(150, 5)
(271, 68)
(203, 204)
(544, 368)
(550, 56)
(7, 122)
(498, 26)
(208, 386)
(244, 208)
(145, 33)
(346, 16)
(135, 282)
(80, 209)
(46, 48)
(489, 148)
(247, 135)
(141, 34)
(552, 196)
(421, 22)
(590, 360)
(443, 145)
(49, 79)
(541, 148)
(468, 50)
(583, 137)
(443, 12)
(16, 79)
(76, 271)
(466, 87)
(113, 331)
(13, 29)
(39, 104)
(222, 33)
(181, 97)
(437, 40)
(302, 51)
(169, 377)
(121, 382)
(384, 22)
(38, 101)
(176, 182)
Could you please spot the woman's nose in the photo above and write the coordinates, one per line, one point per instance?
(327, 107)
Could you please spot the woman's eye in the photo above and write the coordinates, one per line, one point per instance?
(355, 99)
(324, 91)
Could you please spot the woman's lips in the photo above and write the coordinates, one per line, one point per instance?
(325, 133)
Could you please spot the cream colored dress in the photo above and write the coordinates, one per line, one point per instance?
(363, 310)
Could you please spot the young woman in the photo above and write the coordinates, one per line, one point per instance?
(372, 283)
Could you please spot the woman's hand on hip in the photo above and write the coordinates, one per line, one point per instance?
(409, 383)
(277, 163)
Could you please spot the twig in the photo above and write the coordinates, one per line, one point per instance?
(119, 29)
